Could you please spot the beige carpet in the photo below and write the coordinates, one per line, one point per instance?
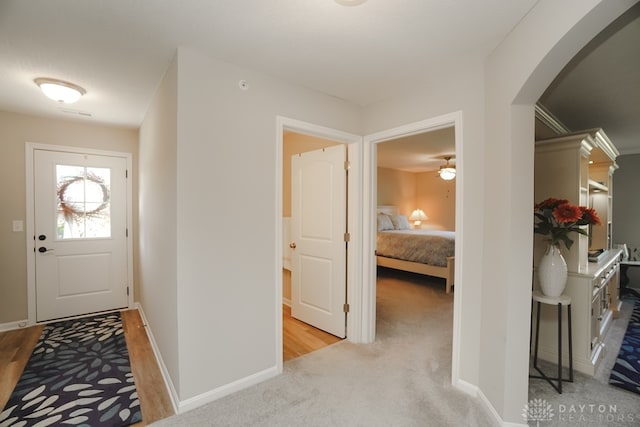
(403, 379)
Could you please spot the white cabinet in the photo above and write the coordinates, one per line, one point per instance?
(592, 293)
(579, 167)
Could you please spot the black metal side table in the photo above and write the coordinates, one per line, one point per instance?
(563, 300)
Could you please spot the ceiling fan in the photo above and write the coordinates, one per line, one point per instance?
(447, 171)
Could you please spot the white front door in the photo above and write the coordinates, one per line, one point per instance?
(318, 227)
(80, 242)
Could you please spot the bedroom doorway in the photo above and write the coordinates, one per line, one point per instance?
(415, 240)
(404, 164)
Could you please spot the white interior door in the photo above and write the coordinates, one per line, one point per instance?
(318, 227)
(80, 223)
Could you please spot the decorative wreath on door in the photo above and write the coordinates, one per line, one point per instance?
(70, 208)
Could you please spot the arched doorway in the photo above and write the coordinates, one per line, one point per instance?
(516, 75)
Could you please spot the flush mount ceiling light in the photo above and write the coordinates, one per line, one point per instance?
(59, 90)
(447, 172)
(350, 2)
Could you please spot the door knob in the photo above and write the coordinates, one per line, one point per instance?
(42, 237)
(42, 249)
(292, 245)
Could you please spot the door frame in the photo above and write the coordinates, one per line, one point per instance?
(354, 208)
(369, 228)
(30, 148)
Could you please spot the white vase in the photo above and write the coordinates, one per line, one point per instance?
(552, 272)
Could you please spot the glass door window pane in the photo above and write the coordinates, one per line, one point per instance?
(83, 209)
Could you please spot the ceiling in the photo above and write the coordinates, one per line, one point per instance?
(118, 50)
(418, 153)
(600, 87)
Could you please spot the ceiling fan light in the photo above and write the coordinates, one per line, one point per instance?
(59, 90)
(447, 173)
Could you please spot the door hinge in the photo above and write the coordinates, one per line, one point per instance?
(127, 291)
(345, 308)
(347, 237)
(126, 173)
(347, 165)
(126, 232)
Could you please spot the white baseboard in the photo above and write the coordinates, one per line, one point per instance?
(204, 398)
(489, 407)
(474, 390)
(18, 324)
(217, 393)
(466, 387)
(492, 412)
(173, 394)
(286, 301)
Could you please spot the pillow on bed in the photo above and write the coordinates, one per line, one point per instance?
(384, 222)
(400, 222)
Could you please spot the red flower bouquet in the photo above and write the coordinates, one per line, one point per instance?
(557, 218)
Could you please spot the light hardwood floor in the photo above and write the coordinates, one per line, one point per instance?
(16, 347)
(299, 338)
(152, 391)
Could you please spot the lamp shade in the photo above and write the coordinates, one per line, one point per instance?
(417, 216)
(59, 90)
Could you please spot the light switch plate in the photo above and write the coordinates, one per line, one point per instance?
(18, 225)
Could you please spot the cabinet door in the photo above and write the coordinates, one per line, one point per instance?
(613, 286)
(595, 322)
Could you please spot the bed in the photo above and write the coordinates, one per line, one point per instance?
(428, 252)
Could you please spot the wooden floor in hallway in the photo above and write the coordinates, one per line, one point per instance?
(17, 345)
(299, 338)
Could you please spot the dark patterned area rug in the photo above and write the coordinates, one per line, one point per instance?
(626, 371)
(79, 374)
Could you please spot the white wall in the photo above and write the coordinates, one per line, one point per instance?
(226, 311)
(157, 288)
(438, 199)
(397, 188)
(226, 156)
